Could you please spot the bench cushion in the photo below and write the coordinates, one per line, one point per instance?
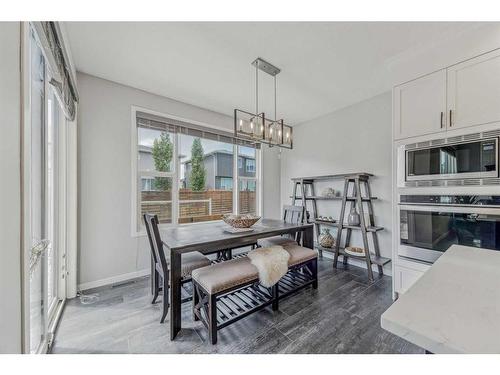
(225, 275)
(299, 254)
(276, 241)
(192, 261)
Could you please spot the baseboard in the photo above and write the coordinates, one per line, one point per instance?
(134, 275)
(113, 280)
(361, 263)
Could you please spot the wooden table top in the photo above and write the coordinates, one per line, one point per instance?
(208, 237)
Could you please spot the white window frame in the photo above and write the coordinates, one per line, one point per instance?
(139, 231)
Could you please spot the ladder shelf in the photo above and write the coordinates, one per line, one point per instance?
(352, 194)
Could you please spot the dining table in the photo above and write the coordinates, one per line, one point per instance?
(208, 238)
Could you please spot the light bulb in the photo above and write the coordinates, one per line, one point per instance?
(271, 131)
(251, 125)
(241, 124)
(279, 133)
(262, 128)
(287, 135)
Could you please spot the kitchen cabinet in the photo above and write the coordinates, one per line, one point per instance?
(405, 277)
(473, 91)
(462, 95)
(420, 106)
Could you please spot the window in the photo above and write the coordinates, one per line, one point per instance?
(250, 165)
(186, 173)
(155, 165)
(247, 182)
(206, 183)
(224, 183)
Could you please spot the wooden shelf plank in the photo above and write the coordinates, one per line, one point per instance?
(368, 229)
(378, 260)
(381, 261)
(333, 176)
(327, 249)
(334, 198)
(330, 223)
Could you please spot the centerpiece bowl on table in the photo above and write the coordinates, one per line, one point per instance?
(240, 221)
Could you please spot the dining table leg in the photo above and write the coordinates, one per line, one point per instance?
(308, 238)
(175, 294)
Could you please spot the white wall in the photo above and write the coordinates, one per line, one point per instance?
(107, 251)
(10, 189)
(353, 139)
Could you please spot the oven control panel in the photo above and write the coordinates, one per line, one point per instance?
(452, 200)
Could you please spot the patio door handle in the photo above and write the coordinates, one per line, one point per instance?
(36, 252)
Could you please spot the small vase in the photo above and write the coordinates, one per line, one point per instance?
(326, 239)
(353, 218)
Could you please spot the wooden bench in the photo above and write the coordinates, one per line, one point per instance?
(226, 292)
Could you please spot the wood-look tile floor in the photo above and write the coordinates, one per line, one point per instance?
(341, 316)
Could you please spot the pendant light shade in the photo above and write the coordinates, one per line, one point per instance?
(255, 126)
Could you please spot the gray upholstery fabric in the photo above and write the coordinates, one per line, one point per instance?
(192, 261)
(225, 275)
(299, 254)
(276, 241)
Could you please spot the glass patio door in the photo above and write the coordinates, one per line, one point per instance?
(42, 202)
(37, 203)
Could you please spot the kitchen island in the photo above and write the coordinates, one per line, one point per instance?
(454, 307)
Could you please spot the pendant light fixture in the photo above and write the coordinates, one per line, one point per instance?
(255, 126)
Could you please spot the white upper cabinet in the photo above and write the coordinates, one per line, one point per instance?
(420, 106)
(474, 91)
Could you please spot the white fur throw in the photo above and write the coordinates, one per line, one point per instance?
(271, 262)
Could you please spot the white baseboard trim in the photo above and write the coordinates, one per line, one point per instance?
(134, 275)
(113, 280)
(361, 263)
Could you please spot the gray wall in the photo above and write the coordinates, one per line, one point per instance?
(107, 250)
(10, 188)
(354, 139)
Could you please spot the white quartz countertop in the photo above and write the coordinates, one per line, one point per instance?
(454, 307)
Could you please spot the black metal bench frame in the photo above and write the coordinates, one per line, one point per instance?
(221, 309)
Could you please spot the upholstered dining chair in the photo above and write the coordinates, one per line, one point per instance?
(161, 262)
(292, 215)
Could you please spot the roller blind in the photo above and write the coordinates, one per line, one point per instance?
(146, 120)
(61, 78)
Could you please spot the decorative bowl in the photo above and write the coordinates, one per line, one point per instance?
(240, 221)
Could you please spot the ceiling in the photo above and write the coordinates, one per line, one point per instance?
(325, 66)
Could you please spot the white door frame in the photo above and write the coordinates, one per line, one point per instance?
(61, 213)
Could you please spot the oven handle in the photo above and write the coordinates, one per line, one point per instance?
(452, 209)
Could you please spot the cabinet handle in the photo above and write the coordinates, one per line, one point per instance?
(442, 114)
(451, 123)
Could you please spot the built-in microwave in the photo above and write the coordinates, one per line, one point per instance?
(461, 160)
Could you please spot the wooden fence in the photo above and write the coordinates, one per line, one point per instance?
(196, 206)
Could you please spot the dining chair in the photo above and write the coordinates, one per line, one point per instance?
(161, 263)
(291, 215)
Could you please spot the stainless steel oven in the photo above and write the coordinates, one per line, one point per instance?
(463, 160)
(430, 224)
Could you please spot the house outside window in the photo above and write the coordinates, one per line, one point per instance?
(250, 165)
(186, 175)
(224, 183)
